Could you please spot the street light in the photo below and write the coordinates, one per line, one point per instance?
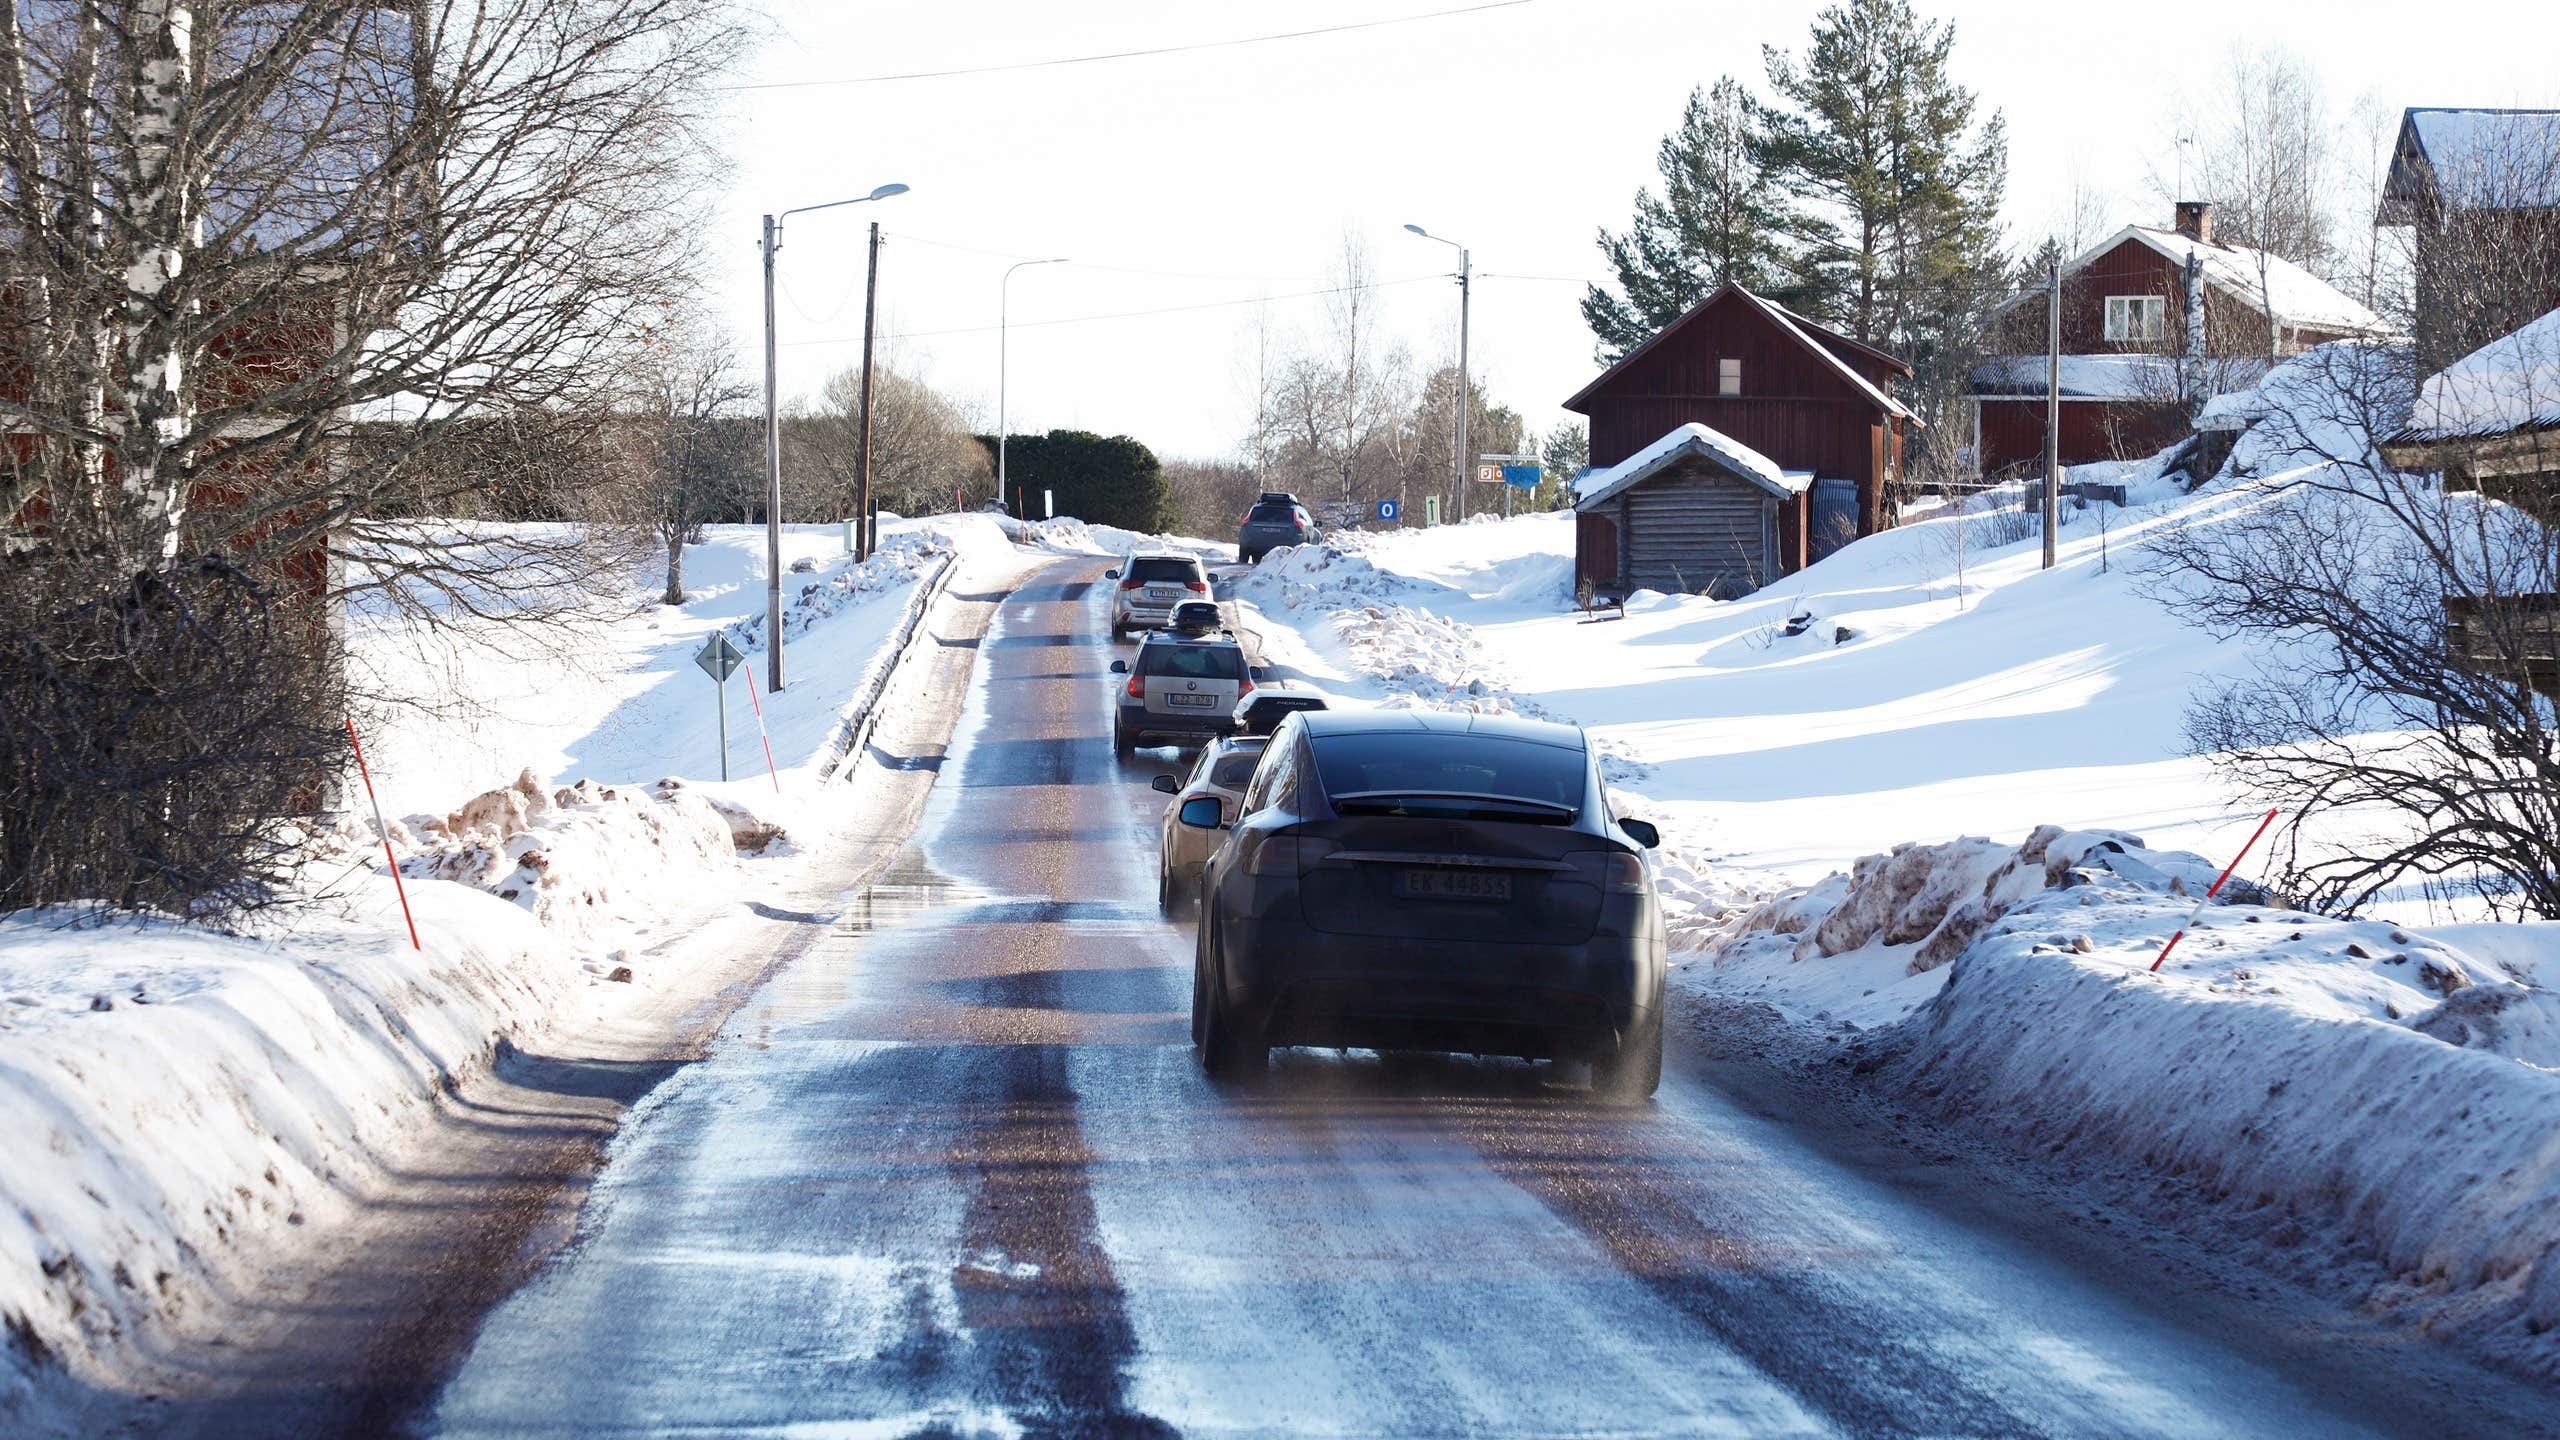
(1004, 297)
(1465, 286)
(773, 440)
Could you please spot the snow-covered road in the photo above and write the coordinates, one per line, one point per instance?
(952, 1172)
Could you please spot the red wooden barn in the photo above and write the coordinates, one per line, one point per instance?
(1811, 402)
(2139, 351)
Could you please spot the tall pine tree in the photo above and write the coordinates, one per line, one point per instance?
(1875, 129)
(1904, 236)
(1720, 217)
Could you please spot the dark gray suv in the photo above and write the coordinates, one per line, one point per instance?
(1178, 688)
(1275, 520)
(1400, 879)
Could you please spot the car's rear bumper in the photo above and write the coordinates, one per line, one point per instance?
(1308, 987)
(1271, 539)
(1140, 725)
(1146, 617)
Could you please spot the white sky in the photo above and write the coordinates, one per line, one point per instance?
(1226, 175)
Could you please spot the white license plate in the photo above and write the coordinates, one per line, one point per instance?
(1201, 700)
(1166, 596)
(1454, 885)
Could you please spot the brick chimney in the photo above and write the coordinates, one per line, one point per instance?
(2195, 220)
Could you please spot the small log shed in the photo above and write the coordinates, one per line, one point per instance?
(1696, 512)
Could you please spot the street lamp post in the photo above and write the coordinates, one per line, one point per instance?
(1466, 277)
(1004, 298)
(771, 244)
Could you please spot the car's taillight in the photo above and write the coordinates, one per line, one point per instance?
(1137, 687)
(1132, 583)
(1244, 688)
(1196, 586)
(1245, 519)
(1618, 872)
(1288, 854)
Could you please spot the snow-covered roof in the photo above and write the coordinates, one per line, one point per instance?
(2294, 296)
(1601, 484)
(2511, 383)
(2474, 159)
(2084, 377)
(1787, 320)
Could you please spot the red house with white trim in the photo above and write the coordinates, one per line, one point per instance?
(2154, 323)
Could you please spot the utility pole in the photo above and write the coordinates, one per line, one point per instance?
(862, 457)
(2053, 411)
(772, 489)
(772, 242)
(1466, 278)
(1465, 396)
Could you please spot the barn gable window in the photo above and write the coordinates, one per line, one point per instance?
(2137, 317)
(1728, 377)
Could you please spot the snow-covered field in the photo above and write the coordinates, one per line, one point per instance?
(179, 1100)
(1945, 826)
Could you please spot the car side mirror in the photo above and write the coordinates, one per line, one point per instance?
(1119, 667)
(1110, 574)
(1643, 832)
(1166, 785)
(1201, 813)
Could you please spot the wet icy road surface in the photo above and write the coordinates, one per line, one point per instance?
(952, 1172)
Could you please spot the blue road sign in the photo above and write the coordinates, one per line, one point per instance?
(1524, 476)
(1388, 510)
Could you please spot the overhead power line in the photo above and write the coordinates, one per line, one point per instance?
(914, 239)
(1132, 54)
(1116, 314)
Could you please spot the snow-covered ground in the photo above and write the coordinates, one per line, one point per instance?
(180, 1099)
(1946, 825)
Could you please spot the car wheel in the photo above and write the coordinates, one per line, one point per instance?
(1630, 1076)
(1229, 1050)
(1167, 901)
(1120, 745)
(1200, 990)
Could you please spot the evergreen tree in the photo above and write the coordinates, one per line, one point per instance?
(1874, 127)
(1720, 217)
(1904, 238)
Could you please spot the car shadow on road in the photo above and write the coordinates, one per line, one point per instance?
(1126, 990)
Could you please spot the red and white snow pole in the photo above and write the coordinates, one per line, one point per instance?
(2216, 890)
(760, 735)
(384, 830)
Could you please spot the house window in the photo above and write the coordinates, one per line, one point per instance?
(1728, 377)
(2137, 317)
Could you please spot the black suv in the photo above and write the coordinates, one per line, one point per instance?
(1401, 879)
(1275, 520)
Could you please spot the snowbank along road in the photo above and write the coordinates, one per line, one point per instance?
(951, 1170)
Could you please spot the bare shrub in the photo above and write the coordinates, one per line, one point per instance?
(158, 736)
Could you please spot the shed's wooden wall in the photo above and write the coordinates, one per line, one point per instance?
(1696, 528)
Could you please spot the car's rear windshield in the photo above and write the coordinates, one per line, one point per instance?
(1193, 662)
(1234, 769)
(1270, 511)
(1399, 769)
(1157, 569)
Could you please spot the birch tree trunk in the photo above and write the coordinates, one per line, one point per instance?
(155, 453)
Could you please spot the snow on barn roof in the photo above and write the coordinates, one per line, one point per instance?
(2511, 383)
(2294, 296)
(2473, 159)
(1746, 463)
